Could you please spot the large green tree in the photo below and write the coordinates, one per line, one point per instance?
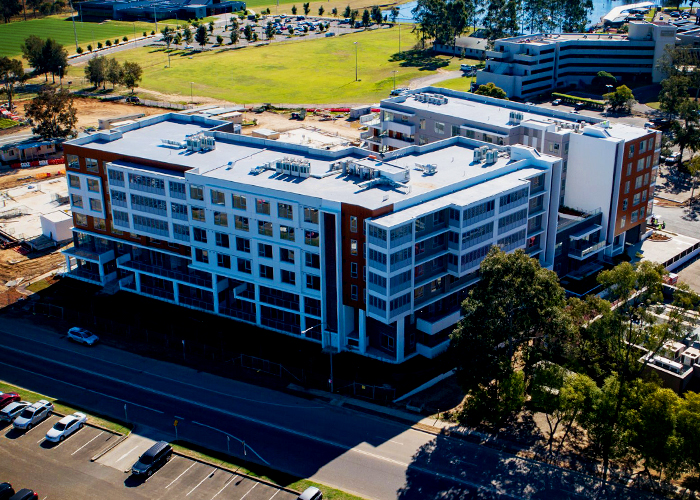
(11, 74)
(621, 99)
(53, 113)
(131, 75)
(9, 9)
(201, 36)
(96, 70)
(491, 90)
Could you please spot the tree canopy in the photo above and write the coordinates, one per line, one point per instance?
(53, 113)
(11, 74)
(491, 90)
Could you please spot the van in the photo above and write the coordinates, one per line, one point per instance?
(311, 493)
(152, 459)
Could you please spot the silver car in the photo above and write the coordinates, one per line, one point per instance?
(33, 415)
(12, 411)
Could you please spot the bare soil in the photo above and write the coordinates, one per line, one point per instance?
(280, 122)
(17, 177)
(14, 265)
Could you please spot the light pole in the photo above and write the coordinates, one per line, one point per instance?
(60, 76)
(329, 348)
(75, 33)
(191, 99)
(394, 78)
(399, 23)
(183, 350)
(355, 60)
(155, 18)
(126, 417)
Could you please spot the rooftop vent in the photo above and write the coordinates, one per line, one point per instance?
(174, 144)
(491, 156)
(200, 142)
(515, 117)
(295, 167)
(427, 168)
(480, 154)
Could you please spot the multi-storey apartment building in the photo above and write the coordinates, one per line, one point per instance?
(600, 158)
(355, 251)
(529, 65)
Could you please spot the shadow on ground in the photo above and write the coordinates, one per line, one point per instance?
(424, 60)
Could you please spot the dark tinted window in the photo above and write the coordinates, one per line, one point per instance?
(146, 459)
(27, 413)
(60, 426)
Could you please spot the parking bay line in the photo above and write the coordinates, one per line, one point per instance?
(83, 446)
(178, 477)
(249, 491)
(229, 481)
(198, 484)
(125, 454)
(273, 495)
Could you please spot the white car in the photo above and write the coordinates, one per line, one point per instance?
(82, 336)
(33, 415)
(66, 426)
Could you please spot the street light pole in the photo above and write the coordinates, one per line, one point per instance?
(399, 38)
(191, 99)
(183, 350)
(75, 33)
(394, 78)
(355, 60)
(328, 349)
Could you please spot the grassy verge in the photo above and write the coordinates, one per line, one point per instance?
(461, 83)
(38, 286)
(7, 123)
(61, 407)
(260, 471)
(288, 72)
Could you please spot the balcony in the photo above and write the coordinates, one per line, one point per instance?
(98, 254)
(196, 303)
(192, 277)
(394, 142)
(402, 309)
(400, 265)
(433, 325)
(373, 240)
(585, 252)
(400, 127)
(381, 313)
(237, 314)
(381, 290)
(431, 253)
(82, 274)
(157, 293)
(152, 230)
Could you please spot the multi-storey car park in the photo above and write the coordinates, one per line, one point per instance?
(354, 251)
(608, 169)
(529, 65)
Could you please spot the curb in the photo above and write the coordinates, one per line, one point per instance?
(107, 449)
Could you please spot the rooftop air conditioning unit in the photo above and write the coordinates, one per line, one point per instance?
(491, 156)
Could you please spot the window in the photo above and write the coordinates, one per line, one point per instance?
(239, 202)
(641, 213)
(651, 144)
(455, 130)
(377, 233)
(285, 211)
(223, 261)
(633, 218)
(287, 255)
(91, 165)
(353, 247)
(95, 205)
(649, 158)
(624, 204)
(221, 219)
(181, 232)
(265, 228)
(313, 282)
(116, 177)
(630, 153)
(629, 169)
(196, 192)
(147, 184)
(243, 244)
(646, 179)
(627, 187)
(638, 182)
(218, 198)
(266, 272)
(177, 190)
(353, 224)
(642, 145)
(201, 255)
(622, 221)
(80, 220)
(636, 199)
(287, 233)
(640, 164)
(241, 223)
(178, 211)
(99, 224)
(439, 128)
(197, 214)
(311, 215)
(244, 266)
(221, 240)
(76, 200)
(93, 185)
(262, 206)
(644, 195)
(200, 235)
(289, 277)
(73, 162)
(312, 260)
(421, 125)
(353, 269)
(353, 292)
(265, 250)
(311, 238)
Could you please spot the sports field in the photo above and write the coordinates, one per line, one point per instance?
(61, 29)
(320, 71)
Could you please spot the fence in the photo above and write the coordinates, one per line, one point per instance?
(165, 104)
(374, 392)
(266, 366)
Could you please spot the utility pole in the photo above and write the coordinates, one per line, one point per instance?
(394, 78)
(74, 30)
(355, 60)
(399, 23)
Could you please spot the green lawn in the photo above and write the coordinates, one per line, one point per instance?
(6, 123)
(61, 29)
(318, 71)
(461, 83)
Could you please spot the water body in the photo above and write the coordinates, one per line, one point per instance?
(600, 8)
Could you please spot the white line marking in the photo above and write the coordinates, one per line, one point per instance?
(205, 478)
(395, 442)
(273, 495)
(179, 418)
(178, 477)
(74, 353)
(79, 387)
(40, 440)
(230, 480)
(83, 446)
(249, 491)
(125, 454)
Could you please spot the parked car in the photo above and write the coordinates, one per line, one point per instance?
(189, 47)
(8, 397)
(6, 491)
(311, 493)
(66, 426)
(399, 91)
(24, 494)
(33, 415)
(556, 102)
(81, 335)
(133, 99)
(12, 411)
(672, 158)
(152, 459)
(466, 67)
(675, 14)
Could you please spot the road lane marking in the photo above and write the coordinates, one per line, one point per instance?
(179, 418)
(77, 386)
(249, 491)
(178, 477)
(205, 478)
(125, 454)
(229, 481)
(273, 495)
(83, 446)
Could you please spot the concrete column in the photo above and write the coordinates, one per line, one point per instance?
(101, 268)
(400, 341)
(257, 304)
(362, 328)
(68, 265)
(137, 281)
(215, 295)
(176, 292)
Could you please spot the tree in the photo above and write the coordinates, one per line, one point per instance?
(674, 92)
(694, 171)
(108, 43)
(366, 19)
(10, 8)
(270, 31)
(99, 45)
(248, 33)
(602, 79)
(53, 113)
(334, 11)
(11, 73)
(116, 41)
(501, 19)
(294, 10)
(89, 47)
(114, 73)
(32, 52)
(490, 90)
(394, 13)
(177, 39)
(187, 35)
(96, 70)
(34, 4)
(219, 40)
(353, 16)
(234, 36)
(79, 50)
(574, 15)
(377, 14)
(125, 39)
(686, 130)
(307, 8)
(131, 75)
(201, 37)
(54, 57)
(320, 10)
(621, 99)
(211, 26)
(347, 11)
(168, 35)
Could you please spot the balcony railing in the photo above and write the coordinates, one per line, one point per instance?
(582, 253)
(397, 242)
(152, 230)
(197, 303)
(377, 311)
(377, 288)
(146, 189)
(237, 313)
(149, 210)
(377, 241)
(399, 310)
(400, 265)
(192, 277)
(160, 293)
(279, 302)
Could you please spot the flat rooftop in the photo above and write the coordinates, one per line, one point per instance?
(246, 161)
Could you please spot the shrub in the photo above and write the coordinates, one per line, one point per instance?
(79, 50)
(99, 45)
(145, 34)
(125, 39)
(108, 43)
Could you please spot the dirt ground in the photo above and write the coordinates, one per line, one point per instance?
(14, 265)
(282, 123)
(90, 110)
(16, 177)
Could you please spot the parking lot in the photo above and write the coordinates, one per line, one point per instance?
(65, 469)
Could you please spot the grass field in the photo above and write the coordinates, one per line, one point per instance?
(61, 29)
(461, 83)
(318, 71)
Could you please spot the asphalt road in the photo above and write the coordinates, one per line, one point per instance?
(356, 452)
